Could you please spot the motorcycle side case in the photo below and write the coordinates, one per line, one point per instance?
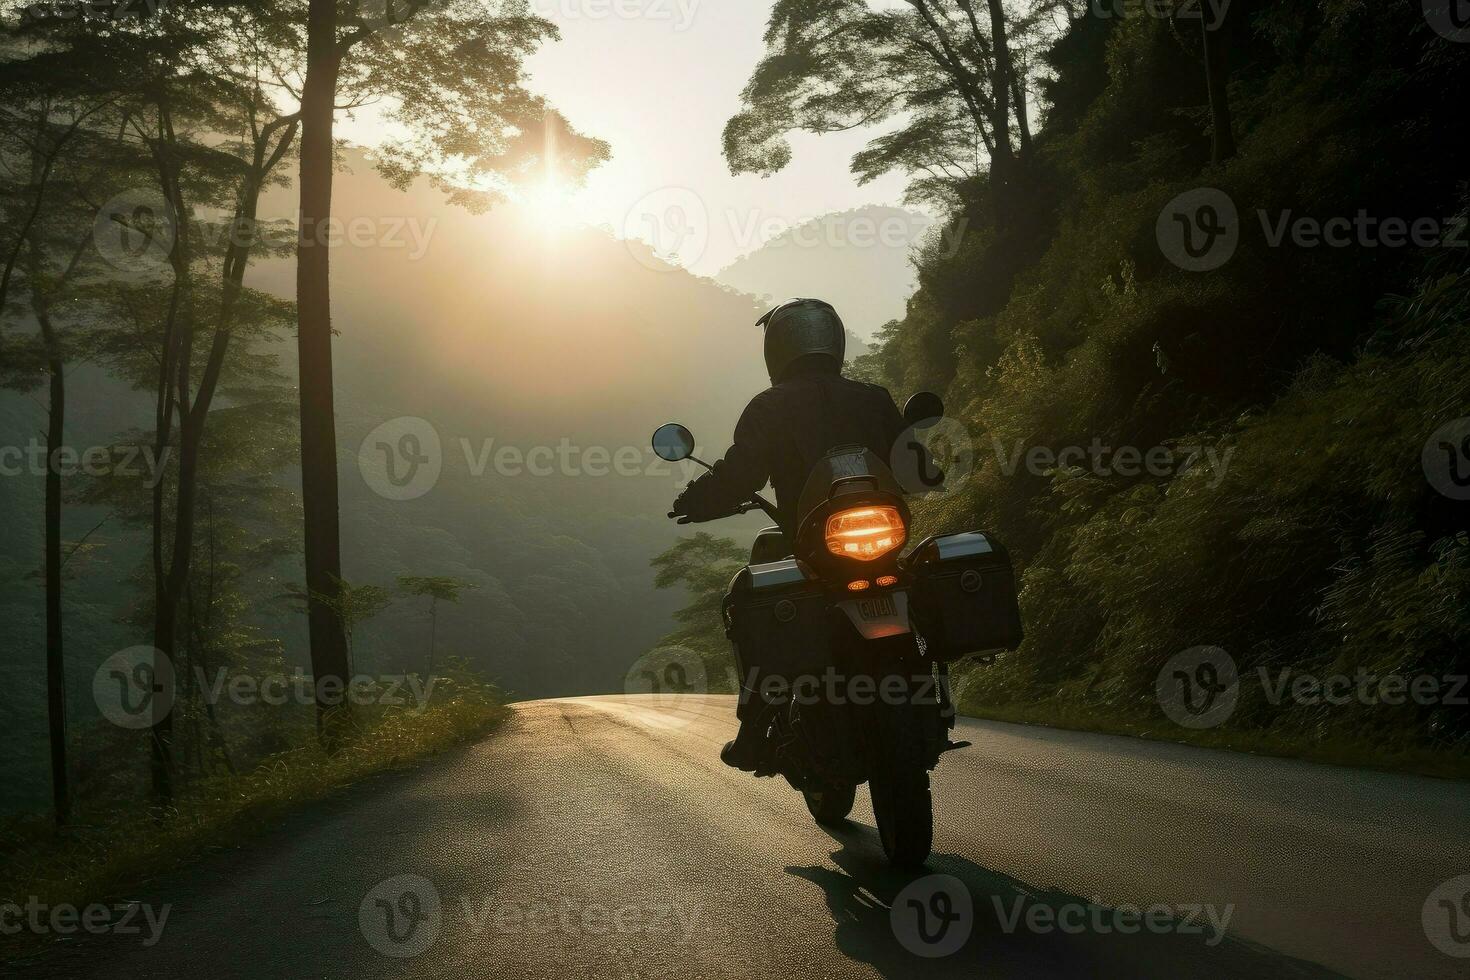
(964, 595)
(776, 620)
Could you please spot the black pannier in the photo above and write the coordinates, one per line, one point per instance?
(964, 595)
(776, 619)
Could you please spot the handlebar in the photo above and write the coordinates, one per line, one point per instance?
(756, 502)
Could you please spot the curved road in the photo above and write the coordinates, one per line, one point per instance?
(601, 837)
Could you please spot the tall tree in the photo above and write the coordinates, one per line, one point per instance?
(42, 126)
(942, 66)
(438, 588)
(451, 71)
(323, 547)
(1217, 41)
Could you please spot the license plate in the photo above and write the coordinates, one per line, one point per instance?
(876, 608)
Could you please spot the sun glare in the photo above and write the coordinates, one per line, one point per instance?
(551, 205)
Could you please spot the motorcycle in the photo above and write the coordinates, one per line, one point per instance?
(842, 641)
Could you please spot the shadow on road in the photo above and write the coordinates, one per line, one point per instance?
(1000, 942)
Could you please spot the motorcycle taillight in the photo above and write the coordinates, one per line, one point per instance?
(866, 533)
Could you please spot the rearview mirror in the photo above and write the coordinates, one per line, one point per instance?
(923, 409)
(673, 442)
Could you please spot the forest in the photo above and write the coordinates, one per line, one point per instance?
(1204, 338)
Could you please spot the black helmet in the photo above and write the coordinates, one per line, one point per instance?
(799, 327)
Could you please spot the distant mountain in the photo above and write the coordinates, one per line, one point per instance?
(856, 260)
(539, 361)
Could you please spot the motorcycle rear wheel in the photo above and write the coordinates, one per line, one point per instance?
(830, 805)
(904, 812)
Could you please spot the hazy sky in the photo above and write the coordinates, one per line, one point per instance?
(658, 79)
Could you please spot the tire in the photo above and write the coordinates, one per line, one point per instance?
(830, 805)
(904, 812)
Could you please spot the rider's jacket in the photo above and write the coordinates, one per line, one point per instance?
(785, 430)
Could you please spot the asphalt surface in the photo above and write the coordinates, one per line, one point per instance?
(601, 837)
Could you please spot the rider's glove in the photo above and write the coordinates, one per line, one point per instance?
(698, 504)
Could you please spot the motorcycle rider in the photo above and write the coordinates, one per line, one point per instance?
(809, 410)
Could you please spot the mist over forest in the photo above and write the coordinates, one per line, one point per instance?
(541, 363)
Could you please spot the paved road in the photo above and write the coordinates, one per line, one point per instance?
(601, 837)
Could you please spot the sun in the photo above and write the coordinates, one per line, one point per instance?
(551, 205)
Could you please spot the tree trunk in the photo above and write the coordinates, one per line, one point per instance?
(1217, 80)
(1023, 112)
(55, 434)
(314, 350)
(1001, 89)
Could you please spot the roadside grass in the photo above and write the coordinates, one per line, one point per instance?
(1337, 751)
(106, 852)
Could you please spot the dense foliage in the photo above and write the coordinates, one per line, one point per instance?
(1312, 376)
(1285, 394)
